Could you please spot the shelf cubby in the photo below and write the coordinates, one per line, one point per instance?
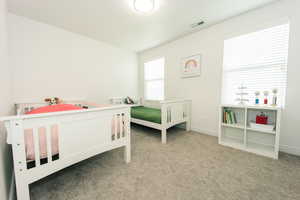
(242, 136)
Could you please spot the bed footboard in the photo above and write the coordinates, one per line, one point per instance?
(81, 135)
(174, 112)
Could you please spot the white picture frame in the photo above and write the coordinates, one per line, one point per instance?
(191, 66)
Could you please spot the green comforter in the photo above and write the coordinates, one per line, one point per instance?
(147, 114)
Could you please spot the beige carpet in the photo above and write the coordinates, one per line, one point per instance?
(190, 167)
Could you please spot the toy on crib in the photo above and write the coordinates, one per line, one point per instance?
(53, 101)
(128, 100)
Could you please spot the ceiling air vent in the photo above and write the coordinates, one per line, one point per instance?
(195, 25)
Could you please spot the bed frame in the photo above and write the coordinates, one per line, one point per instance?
(82, 134)
(173, 112)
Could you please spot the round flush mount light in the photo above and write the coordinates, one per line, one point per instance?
(144, 6)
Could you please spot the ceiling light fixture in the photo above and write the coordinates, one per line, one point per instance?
(144, 6)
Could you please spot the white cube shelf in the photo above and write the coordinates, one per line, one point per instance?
(241, 136)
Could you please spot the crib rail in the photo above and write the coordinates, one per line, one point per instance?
(21, 108)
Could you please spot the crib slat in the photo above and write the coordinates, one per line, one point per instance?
(121, 125)
(36, 147)
(49, 144)
(116, 126)
(124, 125)
(169, 114)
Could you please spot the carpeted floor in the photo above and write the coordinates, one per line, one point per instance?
(190, 167)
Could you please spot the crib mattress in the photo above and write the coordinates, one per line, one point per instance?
(147, 114)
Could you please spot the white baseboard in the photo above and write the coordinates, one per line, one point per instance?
(12, 191)
(290, 150)
(206, 132)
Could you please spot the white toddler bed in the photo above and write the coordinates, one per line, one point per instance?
(81, 135)
(171, 113)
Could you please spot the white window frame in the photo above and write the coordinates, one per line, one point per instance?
(158, 79)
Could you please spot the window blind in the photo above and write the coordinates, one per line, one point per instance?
(154, 79)
(258, 61)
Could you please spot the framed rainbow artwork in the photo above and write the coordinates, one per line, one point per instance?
(191, 66)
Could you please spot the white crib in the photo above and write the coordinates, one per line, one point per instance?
(82, 134)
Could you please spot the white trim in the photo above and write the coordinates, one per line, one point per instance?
(205, 131)
(290, 150)
(12, 191)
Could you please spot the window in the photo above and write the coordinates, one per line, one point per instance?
(258, 61)
(154, 79)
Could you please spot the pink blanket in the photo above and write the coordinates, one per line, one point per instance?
(29, 140)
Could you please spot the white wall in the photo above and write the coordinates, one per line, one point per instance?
(5, 106)
(205, 91)
(48, 61)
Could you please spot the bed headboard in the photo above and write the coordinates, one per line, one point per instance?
(21, 108)
(117, 100)
(121, 100)
(144, 102)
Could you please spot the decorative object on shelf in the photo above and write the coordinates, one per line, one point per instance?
(257, 93)
(229, 117)
(274, 98)
(262, 118)
(242, 94)
(262, 127)
(266, 94)
(191, 66)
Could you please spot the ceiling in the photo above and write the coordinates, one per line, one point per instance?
(117, 23)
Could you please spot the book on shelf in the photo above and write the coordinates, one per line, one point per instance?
(229, 117)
